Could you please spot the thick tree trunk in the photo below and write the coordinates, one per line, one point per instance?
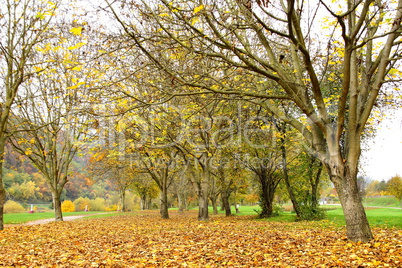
(226, 204)
(268, 187)
(357, 226)
(266, 205)
(203, 214)
(164, 204)
(58, 215)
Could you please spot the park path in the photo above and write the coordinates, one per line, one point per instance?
(65, 218)
(44, 221)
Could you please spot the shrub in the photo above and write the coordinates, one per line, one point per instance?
(13, 207)
(111, 208)
(310, 213)
(67, 206)
(98, 204)
(82, 203)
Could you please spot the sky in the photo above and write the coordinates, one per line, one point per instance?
(384, 158)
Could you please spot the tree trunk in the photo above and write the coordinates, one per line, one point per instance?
(314, 187)
(214, 204)
(357, 226)
(123, 200)
(58, 215)
(143, 202)
(2, 195)
(286, 178)
(266, 203)
(226, 204)
(164, 203)
(203, 214)
(180, 202)
(2, 190)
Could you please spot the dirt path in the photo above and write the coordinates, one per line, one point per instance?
(44, 221)
(65, 218)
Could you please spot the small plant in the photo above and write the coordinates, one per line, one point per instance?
(67, 206)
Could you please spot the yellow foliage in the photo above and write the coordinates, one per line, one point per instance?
(198, 9)
(67, 206)
(111, 208)
(76, 31)
(13, 207)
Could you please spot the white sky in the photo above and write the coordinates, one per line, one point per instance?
(384, 158)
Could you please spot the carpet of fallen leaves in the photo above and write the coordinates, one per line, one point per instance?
(144, 240)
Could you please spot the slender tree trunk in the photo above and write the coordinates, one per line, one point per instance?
(214, 204)
(314, 187)
(180, 202)
(58, 215)
(123, 200)
(164, 203)
(2, 190)
(226, 204)
(143, 202)
(287, 182)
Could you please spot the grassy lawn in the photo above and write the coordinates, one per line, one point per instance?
(378, 217)
(386, 201)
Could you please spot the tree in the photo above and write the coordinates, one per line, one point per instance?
(48, 127)
(394, 187)
(263, 158)
(25, 25)
(280, 42)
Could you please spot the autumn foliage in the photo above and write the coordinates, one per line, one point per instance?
(144, 240)
(67, 206)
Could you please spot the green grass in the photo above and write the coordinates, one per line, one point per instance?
(385, 201)
(377, 217)
(17, 218)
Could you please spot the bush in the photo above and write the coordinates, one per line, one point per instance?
(111, 208)
(67, 206)
(13, 207)
(82, 203)
(98, 204)
(310, 213)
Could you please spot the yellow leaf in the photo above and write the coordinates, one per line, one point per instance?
(76, 85)
(78, 45)
(198, 9)
(76, 30)
(77, 68)
(194, 20)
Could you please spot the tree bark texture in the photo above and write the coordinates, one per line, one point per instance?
(164, 203)
(58, 215)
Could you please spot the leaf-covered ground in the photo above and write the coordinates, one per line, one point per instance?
(144, 240)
